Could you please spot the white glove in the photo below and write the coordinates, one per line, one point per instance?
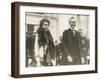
(82, 59)
(70, 59)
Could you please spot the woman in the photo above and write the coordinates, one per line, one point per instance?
(45, 43)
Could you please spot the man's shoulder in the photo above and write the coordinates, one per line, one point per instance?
(67, 30)
(64, 31)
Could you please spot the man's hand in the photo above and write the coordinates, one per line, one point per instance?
(82, 59)
(70, 59)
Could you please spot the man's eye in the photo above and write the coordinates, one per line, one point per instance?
(46, 25)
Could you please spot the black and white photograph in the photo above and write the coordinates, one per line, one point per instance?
(56, 39)
(51, 39)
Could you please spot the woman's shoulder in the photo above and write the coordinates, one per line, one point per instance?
(40, 30)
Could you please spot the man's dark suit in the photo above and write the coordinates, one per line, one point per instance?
(72, 46)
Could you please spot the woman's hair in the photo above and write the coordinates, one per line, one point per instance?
(41, 24)
(44, 20)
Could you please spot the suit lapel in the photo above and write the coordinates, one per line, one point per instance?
(71, 33)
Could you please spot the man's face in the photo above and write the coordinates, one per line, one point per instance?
(45, 25)
(72, 23)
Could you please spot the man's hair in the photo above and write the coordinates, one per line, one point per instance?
(71, 19)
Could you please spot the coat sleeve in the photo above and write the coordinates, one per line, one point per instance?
(64, 39)
(65, 43)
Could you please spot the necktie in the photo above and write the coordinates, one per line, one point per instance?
(73, 32)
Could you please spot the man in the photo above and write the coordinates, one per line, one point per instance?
(84, 47)
(71, 42)
(30, 40)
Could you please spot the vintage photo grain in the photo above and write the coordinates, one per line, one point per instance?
(56, 39)
(53, 39)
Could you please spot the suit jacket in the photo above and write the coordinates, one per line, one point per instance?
(72, 45)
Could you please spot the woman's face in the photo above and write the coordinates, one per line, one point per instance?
(45, 25)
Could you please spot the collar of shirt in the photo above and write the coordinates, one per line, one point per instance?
(72, 29)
